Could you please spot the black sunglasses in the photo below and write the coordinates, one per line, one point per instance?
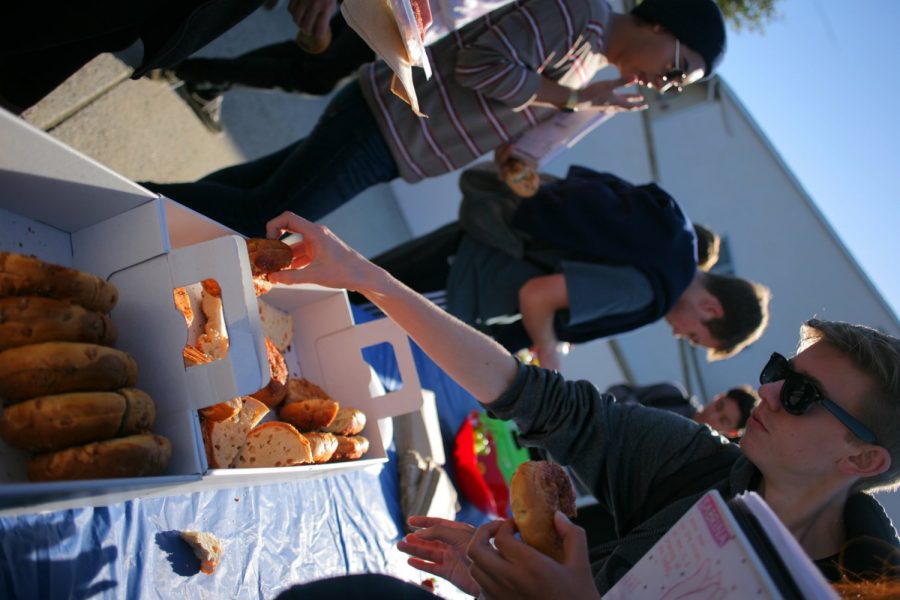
(799, 393)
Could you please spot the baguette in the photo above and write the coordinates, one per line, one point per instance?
(32, 319)
(133, 456)
(60, 367)
(52, 423)
(22, 275)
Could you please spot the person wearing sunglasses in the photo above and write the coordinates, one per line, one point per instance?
(494, 79)
(824, 435)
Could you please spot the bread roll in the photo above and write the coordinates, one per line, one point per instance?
(22, 275)
(300, 388)
(323, 445)
(32, 320)
(224, 438)
(52, 423)
(537, 490)
(350, 448)
(310, 415)
(274, 392)
(274, 444)
(61, 367)
(268, 256)
(207, 548)
(132, 456)
(348, 421)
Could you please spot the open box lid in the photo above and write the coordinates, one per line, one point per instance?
(153, 330)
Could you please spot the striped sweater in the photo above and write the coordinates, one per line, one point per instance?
(485, 77)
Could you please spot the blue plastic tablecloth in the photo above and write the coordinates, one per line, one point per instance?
(274, 536)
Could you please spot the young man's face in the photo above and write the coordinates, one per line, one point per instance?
(807, 446)
(687, 322)
(652, 54)
(722, 414)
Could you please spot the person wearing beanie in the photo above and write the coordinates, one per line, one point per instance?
(494, 79)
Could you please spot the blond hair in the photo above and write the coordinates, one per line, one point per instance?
(877, 355)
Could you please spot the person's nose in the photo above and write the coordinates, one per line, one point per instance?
(770, 393)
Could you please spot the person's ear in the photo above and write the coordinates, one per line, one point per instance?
(868, 460)
(710, 308)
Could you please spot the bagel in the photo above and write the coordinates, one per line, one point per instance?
(537, 490)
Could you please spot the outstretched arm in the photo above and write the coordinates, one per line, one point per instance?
(478, 363)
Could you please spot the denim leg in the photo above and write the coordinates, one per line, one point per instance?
(344, 155)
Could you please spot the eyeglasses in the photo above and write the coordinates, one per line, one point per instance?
(673, 79)
(799, 393)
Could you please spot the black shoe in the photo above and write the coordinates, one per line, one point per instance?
(207, 105)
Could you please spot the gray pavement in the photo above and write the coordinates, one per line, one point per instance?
(143, 130)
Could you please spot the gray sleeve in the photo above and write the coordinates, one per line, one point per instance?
(619, 451)
(597, 290)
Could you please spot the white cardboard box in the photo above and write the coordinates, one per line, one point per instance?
(65, 208)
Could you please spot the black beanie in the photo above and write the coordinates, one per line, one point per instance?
(696, 23)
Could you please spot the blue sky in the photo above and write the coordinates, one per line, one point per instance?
(823, 82)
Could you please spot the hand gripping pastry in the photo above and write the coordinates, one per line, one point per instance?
(267, 256)
(60, 367)
(32, 319)
(50, 423)
(133, 456)
(537, 490)
(22, 275)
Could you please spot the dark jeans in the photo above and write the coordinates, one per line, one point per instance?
(282, 66)
(344, 155)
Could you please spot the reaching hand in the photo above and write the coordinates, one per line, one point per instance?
(511, 569)
(439, 548)
(320, 258)
(312, 16)
(602, 95)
